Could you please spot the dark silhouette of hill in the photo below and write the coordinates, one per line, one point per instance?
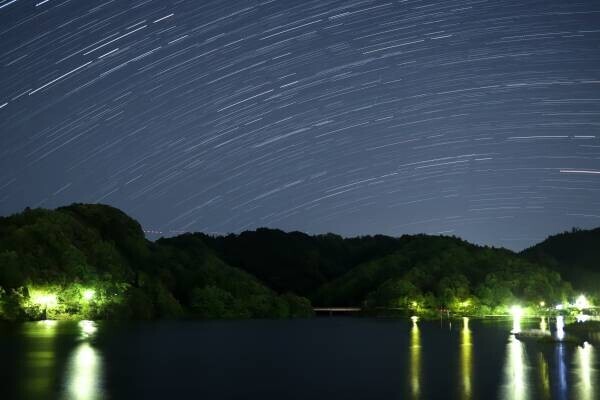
(575, 254)
(93, 261)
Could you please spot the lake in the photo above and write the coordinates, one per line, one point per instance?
(322, 358)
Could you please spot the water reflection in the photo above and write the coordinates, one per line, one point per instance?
(544, 376)
(561, 368)
(466, 360)
(560, 325)
(585, 372)
(515, 386)
(40, 359)
(543, 324)
(84, 373)
(415, 360)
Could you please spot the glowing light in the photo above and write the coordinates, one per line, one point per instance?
(543, 325)
(44, 299)
(585, 372)
(582, 318)
(560, 325)
(544, 375)
(48, 323)
(515, 371)
(414, 319)
(466, 360)
(542, 304)
(582, 303)
(517, 313)
(414, 304)
(88, 294)
(559, 307)
(84, 373)
(88, 328)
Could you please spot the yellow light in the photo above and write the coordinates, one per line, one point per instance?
(585, 372)
(414, 319)
(542, 303)
(466, 360)
(582, 303)
(415, 359)
(414, 304)
(543, 325)
(88, 294)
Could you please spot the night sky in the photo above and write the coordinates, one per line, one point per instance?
(479, 119)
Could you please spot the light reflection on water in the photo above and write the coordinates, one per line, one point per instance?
(415, 360)
(585, 373)
(83, 372)
(515, 384)
(68, 360)
(466, 360)
(40, 359)
(83, 380)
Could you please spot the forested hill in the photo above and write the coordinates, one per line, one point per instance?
(575, 254)
(416, 273)
(296, 261)
(431, 272)
(93, 261)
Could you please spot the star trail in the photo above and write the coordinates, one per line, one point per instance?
(471, 118)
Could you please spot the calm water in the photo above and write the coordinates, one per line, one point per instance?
(323, 358)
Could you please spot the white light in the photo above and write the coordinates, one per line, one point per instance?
(582, 318)
(559, 307)
(560, 324)
(88, 328)
(516, 311)
(88, 294)
(582, 303)
(414, 319)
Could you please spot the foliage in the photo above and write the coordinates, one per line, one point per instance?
(93, 262)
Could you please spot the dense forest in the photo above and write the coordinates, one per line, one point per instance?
(574, 254)
(94, 262)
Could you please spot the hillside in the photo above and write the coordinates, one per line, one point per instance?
(93, 261)
(296, 261)
(432, 272)
(575, 254)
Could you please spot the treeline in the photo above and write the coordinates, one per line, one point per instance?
(93, 261)
(575, 254)
(428, 274)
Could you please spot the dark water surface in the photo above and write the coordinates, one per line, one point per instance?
(322, 358)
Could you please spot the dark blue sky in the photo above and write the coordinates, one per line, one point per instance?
(474, 118)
